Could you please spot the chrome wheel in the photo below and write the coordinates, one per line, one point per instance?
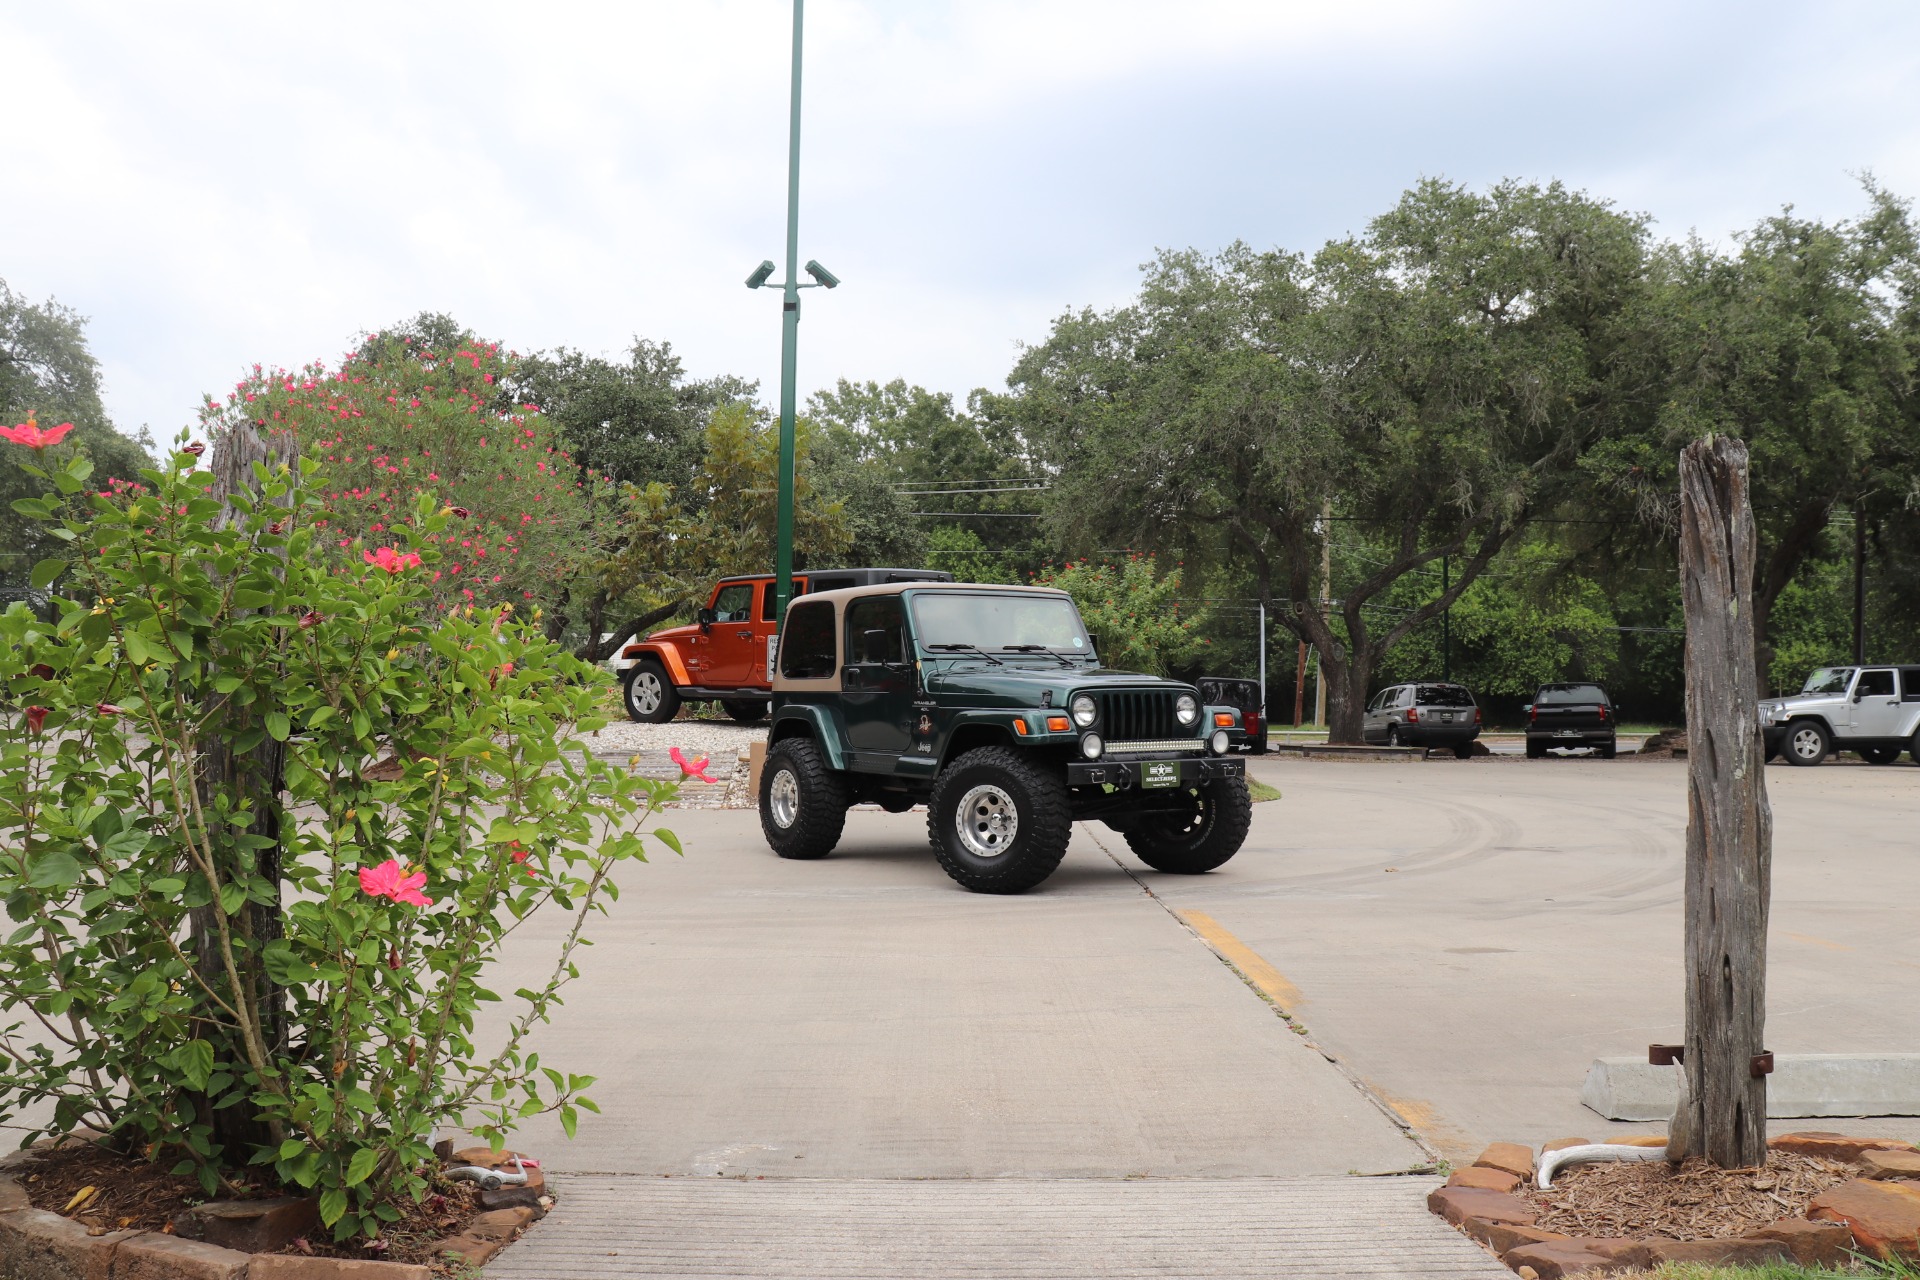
(1807, 743)
(643, 693)
(783, 799)
(987, 821)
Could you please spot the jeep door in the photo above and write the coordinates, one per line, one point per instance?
(876, 689)
(1876, 710)
(733, 645)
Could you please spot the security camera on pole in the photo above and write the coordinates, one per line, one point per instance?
(790, 333)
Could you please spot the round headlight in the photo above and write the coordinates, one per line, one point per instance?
(1187, 709)
(1217, 742)
(1083, 711)
(1091, 746)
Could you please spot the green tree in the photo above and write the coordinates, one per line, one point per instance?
(1134, 611)
(46, 370)
(1800, 342)
(1430, 385)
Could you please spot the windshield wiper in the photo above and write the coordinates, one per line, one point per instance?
(963, 646)
(1037, 648)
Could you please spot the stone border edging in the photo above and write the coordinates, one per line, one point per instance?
(36, 1244)
(1877, 1213)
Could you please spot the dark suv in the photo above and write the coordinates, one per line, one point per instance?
(1570, 715)
(1423, 715)
(988, 705)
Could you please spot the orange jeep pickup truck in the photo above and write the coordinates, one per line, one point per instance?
(723, 656)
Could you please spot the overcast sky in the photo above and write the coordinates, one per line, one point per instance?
(219, 184)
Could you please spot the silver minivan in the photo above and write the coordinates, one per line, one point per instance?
(1427, 714)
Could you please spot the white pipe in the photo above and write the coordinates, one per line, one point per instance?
(1592, 1153)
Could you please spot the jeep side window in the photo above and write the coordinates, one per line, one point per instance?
(875, 613)
(1874, 684)
(734, 603)
(806, 642)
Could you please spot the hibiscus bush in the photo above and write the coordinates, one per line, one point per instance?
(267, 813)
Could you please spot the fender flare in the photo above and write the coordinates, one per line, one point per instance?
(816, 723)
(990, 718)
(666, 655)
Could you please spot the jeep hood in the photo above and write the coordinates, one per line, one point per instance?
(1022, 684)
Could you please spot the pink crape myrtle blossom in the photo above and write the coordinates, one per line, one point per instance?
(690, 768)
(390, 560)
(390, 880)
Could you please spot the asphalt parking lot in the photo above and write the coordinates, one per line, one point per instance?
(1464, 937)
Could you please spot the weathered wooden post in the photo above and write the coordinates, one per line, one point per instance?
(1729, 824)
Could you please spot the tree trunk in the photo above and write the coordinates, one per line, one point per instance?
(1347, 696)
(1729, 824)
(596, 651)
(252, 778)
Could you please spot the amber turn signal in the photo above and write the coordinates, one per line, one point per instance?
(1058, 724)
(1224, 719)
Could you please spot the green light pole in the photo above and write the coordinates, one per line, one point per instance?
(790, 333)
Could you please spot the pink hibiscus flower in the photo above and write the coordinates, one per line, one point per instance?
(690, 769)
(390, 880)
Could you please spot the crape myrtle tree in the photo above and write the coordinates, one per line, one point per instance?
(1799, 342)
(399, 418)
(1429, 385)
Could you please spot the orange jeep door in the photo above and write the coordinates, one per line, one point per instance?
(733, 638)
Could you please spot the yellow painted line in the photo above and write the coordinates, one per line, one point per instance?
(1266, 979)
(1819, 942)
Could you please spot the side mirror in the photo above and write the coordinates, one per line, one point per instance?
(873, 647)
(705, 618)
(1858, 696)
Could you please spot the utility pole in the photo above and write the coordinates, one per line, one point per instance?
(1300, 685)
(1446, 624)
(790, 333)
(1326, 604)
(1263, 659)
(1859, 586)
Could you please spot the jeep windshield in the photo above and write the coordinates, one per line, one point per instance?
(1829, 680)
(992, 623)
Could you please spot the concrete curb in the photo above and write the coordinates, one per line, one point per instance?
(1802, 1084)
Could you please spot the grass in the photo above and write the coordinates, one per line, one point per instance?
(1867, 1270)
(1261, 791)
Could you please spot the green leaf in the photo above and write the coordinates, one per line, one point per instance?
(168, 886)
(284, 966)
(46, 571)
(55, 869)
(80, 467)
(569, 1120)
(277, 726)
(333, 1205)
(37, 507)
(195, 1062)
(137, 651)
(232, 897)
(125, 846)
(226, 684)
(291, 1148)
(360, 1168)
(670, 840)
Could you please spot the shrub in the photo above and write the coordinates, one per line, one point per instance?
(240, 945)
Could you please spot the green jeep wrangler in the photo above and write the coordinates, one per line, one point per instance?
(988, 705)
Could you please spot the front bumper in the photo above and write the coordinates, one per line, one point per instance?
(1149, 773)
(1774, 735)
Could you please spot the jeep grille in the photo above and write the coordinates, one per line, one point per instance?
(1139, 714)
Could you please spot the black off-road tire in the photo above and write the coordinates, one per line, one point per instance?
(1808, 743)
(648, 694)
(746, 710)
(1879, 755)
(1607, 750)
(1914, 749)
(1464, 751)
(819, 796)
(1036, 797)
(1191, 845)
(1536, 750)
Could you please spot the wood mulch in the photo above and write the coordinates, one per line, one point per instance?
(1697, 1201)
(126, 1192)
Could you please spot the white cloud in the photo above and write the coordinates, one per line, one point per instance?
(222, 183)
